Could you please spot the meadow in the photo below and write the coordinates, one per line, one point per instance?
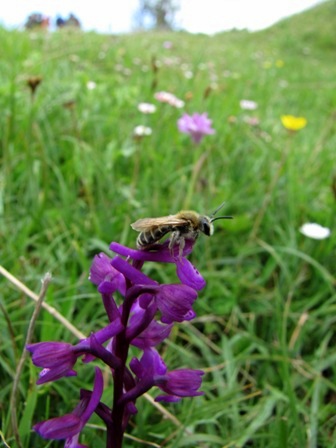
(74, 176)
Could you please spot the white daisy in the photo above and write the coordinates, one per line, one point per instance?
(248, 104)
(141, 131)
(146, 108)
(91, 85)
(315, 231)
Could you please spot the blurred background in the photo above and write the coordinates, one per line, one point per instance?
(195, 16)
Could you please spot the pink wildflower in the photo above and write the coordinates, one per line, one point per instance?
(196, 125)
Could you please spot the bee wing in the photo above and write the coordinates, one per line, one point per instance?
(141, 225)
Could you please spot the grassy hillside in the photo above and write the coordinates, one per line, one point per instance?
(316, 27)
(74, 176)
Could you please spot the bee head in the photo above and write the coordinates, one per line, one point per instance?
(206, 226)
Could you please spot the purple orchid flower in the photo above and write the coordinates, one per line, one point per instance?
(152, 371)
(144, 319)
(196, 125)
(180, 383)
(186, 272)
(175, 302)
(70, 425)
(144, 331)
(105, 276)
(58, 358)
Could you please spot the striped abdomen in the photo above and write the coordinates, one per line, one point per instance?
(150, 237)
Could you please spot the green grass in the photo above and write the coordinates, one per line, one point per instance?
(73, 178)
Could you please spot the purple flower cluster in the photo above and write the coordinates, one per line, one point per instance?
(196, 125)
(144, 320)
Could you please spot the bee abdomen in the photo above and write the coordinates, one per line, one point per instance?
(152, 236)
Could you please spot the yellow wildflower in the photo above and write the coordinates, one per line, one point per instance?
(293, 123)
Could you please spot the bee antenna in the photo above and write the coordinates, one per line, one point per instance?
(217, 210)
(221, 217)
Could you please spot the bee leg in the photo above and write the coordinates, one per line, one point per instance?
(176, 239)
(181, 247)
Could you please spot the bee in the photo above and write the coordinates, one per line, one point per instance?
(185, 225)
